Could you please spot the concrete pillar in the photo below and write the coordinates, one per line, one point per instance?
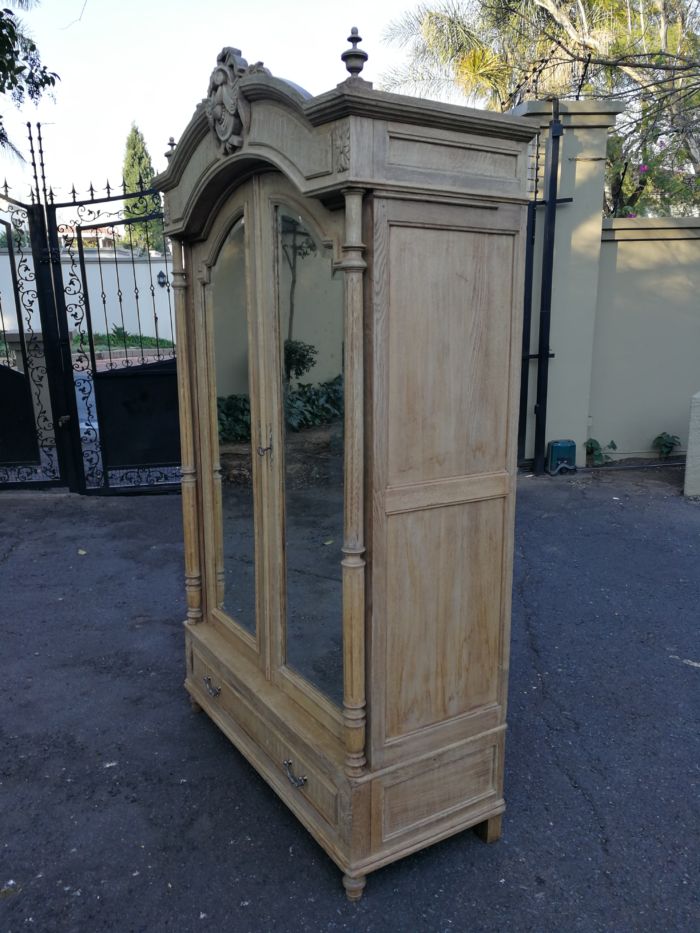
(576, 259)
(692, 462)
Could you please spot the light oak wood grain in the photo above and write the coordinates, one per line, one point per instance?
(424, 216)
(188, 471)
(443, 614)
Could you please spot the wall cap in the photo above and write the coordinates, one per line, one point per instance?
(586, 113)
(651, 228)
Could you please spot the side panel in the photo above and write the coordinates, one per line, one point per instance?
(443, 613)
(414, 804)
(449, 342)
(445, 338)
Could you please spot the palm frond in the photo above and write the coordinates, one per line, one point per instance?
(420, 80)
(407, 28)
(481, 72)
(449, 33)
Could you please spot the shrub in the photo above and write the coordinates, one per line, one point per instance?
(234, 418)
(299, 358)
(665, 443)
(597, 454)
(306, 406)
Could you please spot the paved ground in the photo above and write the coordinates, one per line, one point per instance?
(122, 811)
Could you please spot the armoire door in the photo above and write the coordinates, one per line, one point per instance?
(271, 417)
(304, 328)
(228, 352)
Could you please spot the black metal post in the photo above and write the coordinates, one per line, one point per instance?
(527, 327)
(543, 353)
(58, 362)
(72, 424)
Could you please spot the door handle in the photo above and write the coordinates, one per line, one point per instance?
(293, 779)
(263, 450)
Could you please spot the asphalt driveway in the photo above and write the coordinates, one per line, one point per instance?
(120, 810)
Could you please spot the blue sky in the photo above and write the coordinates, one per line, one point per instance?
(149, 61)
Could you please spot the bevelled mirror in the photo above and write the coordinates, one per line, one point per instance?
(309, 299)
(228, 305)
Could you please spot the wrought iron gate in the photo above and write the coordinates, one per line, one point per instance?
(88, 384)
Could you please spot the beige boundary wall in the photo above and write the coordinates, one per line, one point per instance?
(646, 352)
(625, 325)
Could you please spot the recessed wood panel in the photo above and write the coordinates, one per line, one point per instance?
(289, 136)
(443, 599)
(449, 331)
(436, 788)
(450, 156)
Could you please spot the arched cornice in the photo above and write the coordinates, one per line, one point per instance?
(351, 136)
(254, 87)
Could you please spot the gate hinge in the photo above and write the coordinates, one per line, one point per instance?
(50, 254)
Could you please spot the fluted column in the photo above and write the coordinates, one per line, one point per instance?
(354, 700)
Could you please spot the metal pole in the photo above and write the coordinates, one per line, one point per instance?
(550, 217)
(527, 327)
(59, 371)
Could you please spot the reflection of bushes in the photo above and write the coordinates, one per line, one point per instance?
(234, 418)
(306, 406)
(310, 405)
(299, 358)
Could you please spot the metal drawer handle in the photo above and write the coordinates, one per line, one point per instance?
(211, 689)
(293, 779)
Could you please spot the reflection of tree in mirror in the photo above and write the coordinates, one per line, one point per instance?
(296, 243)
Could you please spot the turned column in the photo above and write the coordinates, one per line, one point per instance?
(354, 701)
(188, 470)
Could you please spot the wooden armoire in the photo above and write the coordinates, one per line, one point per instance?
(348, 280)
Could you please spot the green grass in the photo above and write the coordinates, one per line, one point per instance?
(120, 341)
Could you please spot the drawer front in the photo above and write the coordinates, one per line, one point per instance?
(424, 797)
(218, 696)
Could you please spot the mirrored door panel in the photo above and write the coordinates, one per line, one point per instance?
(228, 299)
(310, 330)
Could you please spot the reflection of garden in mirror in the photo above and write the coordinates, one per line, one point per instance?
(227, 294)
(310, 305)
(310, 354)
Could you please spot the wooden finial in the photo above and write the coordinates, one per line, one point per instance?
(354, 58)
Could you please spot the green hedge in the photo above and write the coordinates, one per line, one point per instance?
(305, 406)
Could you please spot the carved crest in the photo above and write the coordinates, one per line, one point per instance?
(228, 110)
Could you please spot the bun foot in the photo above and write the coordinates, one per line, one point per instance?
(194, 705)
(354, 887)
(489, 830)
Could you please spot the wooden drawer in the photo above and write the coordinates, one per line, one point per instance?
(229, 708)
(425, 797)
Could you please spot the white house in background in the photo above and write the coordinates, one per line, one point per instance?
(127, 293)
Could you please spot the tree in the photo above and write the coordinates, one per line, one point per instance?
(21, 73)
(138, 175)
(502, 52)
(18, 237)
